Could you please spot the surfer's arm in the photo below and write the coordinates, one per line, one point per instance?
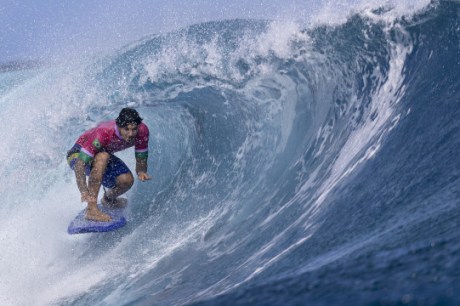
(141, 152)
(141, 169)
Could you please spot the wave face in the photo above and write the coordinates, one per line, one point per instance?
(290, 166)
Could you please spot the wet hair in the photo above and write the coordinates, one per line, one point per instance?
(128, 116)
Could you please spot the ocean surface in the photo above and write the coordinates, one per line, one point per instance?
(292, 165)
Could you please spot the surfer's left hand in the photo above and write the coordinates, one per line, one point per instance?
(143, 176)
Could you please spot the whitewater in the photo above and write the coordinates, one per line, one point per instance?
(292, 164)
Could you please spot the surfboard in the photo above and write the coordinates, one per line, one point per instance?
(81, 225)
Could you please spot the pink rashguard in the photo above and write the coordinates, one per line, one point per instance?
(106, 138)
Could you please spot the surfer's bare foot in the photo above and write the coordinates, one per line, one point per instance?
(116, 203)
(95, 214)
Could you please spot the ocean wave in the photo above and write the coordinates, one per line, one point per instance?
(291, 165)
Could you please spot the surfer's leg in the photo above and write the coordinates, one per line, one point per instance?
(118, 179)
(98, 169)
(124, 182)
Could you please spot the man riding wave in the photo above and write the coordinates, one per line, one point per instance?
(93, 155)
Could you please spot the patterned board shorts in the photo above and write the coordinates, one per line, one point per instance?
(115, 167)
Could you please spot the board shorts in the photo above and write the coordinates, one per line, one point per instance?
(115, 167)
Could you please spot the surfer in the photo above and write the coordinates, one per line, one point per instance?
(93, 155)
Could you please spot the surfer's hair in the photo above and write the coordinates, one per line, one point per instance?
(128, 116)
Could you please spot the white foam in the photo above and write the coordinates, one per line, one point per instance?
(337, 12)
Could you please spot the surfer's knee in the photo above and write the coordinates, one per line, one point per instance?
(102, 157)
(126, 180)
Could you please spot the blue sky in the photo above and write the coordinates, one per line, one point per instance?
(42, 29)
(31, 29)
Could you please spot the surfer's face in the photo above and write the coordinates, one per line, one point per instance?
(129, 132)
